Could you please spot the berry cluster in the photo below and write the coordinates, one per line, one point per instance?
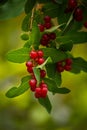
(47, 37)
(37, 59)
(64, 65)
(73, 5)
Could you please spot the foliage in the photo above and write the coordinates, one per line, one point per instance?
(68, 33)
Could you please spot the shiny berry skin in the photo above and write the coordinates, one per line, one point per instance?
(60, 69)
(43, 85)
(78, 14)
(44, 91)
(41, 61)
(42, 73)
(33, 54)
(41, 27)
(52, 36)
(29, 64)
(72, 4)
(40, 53)
(67, 67)
(33, 82)
(68, 61)
(38, 92)
(85, 24)
(30, 69)
(44, 42)
(47, 25)
(47, 19)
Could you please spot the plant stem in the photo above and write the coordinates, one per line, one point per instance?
(32, 18)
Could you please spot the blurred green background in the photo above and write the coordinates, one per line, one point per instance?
(24, 112)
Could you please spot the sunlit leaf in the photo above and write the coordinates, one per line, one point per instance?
(18, 56)
(16, 91)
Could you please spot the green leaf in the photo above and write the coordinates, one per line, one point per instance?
(26, 23)
(66, 46)
(51, 9)
(55, 54)
(19, 56)
(34, 36)
(11, 8)
(29, 5)
(51, 70)
(48, 60)
(52, 29)
(68, 24)
(16, 91)
(52, 87)
(24, 36)
(37, 74)
(76, 38)
(46, 103)
(78, 65)
(27, 44)
(63, 90)
(57, 79)
(53, 74)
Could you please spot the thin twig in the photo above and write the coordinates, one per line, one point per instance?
(32, 17)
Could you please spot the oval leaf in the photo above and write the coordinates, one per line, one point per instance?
(29, 5)
(18, 56)
(16, 91)
(46, 103)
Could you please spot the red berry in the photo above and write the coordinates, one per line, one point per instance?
(60, 69)
(42, 73)
(40, 53)
(72, 4)
(47, 25)
(52, 36)
(85, 24)
(41, 27)
(33, 54)
(59, 63)
(30, 69)
(44, 91)
(32, 84)
(44, 42)
(43, 85)
(41, 61)
(29, 64)
(68, 61)
(67, 67)
(47, 19)
(46, 37)
(38, 92)
(67, 10)
(78, 15)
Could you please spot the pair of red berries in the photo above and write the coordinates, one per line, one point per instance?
(78, 13)
(64, 65)
(41, 91)
(47, 24)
